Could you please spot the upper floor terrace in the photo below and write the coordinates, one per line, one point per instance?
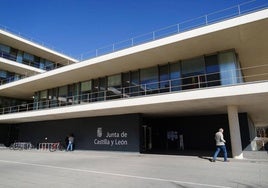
(26, 58)
(179, 28)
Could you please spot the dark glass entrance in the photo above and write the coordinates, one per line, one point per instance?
(193, 135)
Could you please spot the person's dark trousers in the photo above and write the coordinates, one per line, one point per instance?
(219, 148)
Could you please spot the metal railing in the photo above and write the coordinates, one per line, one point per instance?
(37, 65)
(21, 146)
(31, 39)
(208, 19)
(26, 62)
(200, 81)
(53, 146)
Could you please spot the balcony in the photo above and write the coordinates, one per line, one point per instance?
(249, 75)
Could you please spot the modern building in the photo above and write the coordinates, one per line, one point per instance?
(166, 92)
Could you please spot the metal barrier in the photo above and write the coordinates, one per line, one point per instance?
(21, 146)
(45, 146)
(52, 146)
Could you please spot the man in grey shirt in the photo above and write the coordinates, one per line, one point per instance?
(71, 142)
(220, 145)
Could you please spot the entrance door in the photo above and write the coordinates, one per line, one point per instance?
(147, 138)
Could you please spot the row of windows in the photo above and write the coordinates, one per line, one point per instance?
(6, 76)
(25, 58)
(205, 71)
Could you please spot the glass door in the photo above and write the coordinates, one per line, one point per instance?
(147, 138)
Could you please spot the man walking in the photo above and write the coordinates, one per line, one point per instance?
(220, 145)
(71, 142)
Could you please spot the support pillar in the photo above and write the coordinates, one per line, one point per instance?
(235, 132)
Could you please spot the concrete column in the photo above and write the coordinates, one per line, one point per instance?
(235, 132)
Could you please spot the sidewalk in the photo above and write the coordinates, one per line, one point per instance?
(98, 169)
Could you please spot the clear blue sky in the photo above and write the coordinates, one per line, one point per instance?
(78, 26)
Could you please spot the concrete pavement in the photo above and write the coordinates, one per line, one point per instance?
(33, 168)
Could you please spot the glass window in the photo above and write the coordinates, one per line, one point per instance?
(71, 90)
(76, 92)
(63, 91)
(193, 71)
(95, 90)
(19, 56)
(43, 103)
(212, 70)
(126, 79)
(49, 65)
(149, 79)
(193, 66)
(28, 57)
(134, 83)
(63, 95)
(114, 89)
(36, 61)
(102, 89)
(126, 83)
(86, 88)
(36, 100)
(52, 96)
(164, 78)
(17, 76)
(73, 93)
(5, 52)
(4, 48)
(3, 74)
(114, 80)
(175, 76)
(13, 54)
(43, 94)
(227, 62)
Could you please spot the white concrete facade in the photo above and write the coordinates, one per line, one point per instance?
(247, 35)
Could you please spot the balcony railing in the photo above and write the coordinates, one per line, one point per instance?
(200, 81)
(208, 19)
(38, 65)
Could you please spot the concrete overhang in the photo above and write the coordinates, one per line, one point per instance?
(19, 68)
(250, 98)
(247, 35)
(23, 44)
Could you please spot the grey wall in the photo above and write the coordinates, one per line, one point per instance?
(123, 133)
(115, 133)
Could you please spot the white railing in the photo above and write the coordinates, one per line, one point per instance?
(21, 146)
(37, 65)
(228, 13)
(248, 75)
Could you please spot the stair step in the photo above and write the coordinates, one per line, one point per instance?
(255, 154)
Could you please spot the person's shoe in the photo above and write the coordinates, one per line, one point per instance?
(226, 161)
(213, 160)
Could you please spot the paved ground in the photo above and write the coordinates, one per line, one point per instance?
(79, 169)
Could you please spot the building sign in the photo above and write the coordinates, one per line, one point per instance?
(111, 138)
